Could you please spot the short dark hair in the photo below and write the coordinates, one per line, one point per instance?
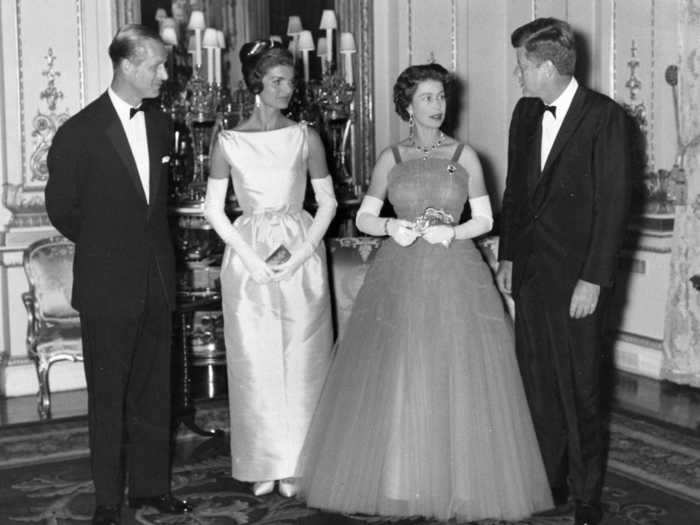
(407, 83)
(258, 57)
(128, 43)
(548, 39)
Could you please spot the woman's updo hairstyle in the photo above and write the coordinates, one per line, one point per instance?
(257, 57)
(408, 80)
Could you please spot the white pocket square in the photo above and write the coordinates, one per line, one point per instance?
(165, 159)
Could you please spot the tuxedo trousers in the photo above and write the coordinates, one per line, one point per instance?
(127, 370)
(560, 361)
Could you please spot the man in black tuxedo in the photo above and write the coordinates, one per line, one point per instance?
(107, 192)
(563, 220)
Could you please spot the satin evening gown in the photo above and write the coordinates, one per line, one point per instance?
(279, 335)
(423, 412)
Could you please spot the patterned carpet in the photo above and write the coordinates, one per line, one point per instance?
(653, 479)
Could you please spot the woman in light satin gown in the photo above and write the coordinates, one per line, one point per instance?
(277, 314)
(423, 412)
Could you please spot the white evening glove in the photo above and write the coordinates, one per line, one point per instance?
(481, 211)
(325, 197)
(368, 221)
(401, 231)
(259, 270)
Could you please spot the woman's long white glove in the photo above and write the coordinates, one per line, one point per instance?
(368, 221)
(327, 204)
(214, 206)
(401, 231)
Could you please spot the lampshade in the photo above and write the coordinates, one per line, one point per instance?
(328, 20)
(169, 36)
(322, 46)
(210, 38)
(306, 41)
(161, 14)
(294, 26)
(197, 21)
(347, 43)
(221, 39)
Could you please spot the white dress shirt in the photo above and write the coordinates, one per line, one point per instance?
(135, 129)
(551, 124)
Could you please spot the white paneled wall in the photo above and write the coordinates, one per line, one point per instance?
(63, 40)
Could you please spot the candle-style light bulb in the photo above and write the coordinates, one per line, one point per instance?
(197, 24)
(210, 41)
(294, 29)
(329, 22)
(347, 48)
(321, 52)
(221, 44)
(306, 44)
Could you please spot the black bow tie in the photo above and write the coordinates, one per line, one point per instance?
(552, 109)
(133, 111)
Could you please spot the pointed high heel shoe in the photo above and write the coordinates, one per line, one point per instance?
(260, 488)
(288, 487)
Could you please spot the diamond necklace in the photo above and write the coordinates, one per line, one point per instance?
(428, 151)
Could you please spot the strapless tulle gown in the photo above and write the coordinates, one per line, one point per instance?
(279, 335)
(423, 412)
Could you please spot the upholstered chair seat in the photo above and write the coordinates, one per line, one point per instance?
(53, 326)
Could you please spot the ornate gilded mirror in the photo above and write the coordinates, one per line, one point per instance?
(244, 20)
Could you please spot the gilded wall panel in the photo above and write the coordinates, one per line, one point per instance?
(50, 86)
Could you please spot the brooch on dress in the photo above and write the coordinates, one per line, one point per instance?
(451, 168)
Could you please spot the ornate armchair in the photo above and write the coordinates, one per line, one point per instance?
(53, 326)
(350, 258)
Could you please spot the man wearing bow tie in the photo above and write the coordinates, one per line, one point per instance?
(563, 219)
(107, 192)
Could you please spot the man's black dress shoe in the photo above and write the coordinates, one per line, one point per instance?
(106, 515)
(587, 514)
(165, 503)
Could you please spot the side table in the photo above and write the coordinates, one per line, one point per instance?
(187, 304)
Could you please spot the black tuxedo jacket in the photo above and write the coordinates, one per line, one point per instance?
(567, 221)
(95, 198)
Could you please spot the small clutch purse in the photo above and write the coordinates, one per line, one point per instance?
(280, 255)
(432, 217)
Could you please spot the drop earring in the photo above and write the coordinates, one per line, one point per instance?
(258, 102)
(411, 125)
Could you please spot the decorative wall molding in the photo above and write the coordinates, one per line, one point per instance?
(453, 33)
(410, 32)
(126, 12)
(360, 21)
(25, 198)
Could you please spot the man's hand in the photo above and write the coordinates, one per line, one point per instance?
(584, 299)
(504, 276)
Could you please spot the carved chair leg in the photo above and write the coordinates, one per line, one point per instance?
(44, 405)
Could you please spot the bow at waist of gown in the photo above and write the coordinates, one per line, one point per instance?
(271, 214)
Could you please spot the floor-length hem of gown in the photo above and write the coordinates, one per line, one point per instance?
(423, 411)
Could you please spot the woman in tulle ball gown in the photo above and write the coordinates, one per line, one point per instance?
(274, 283)
(423, 412)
